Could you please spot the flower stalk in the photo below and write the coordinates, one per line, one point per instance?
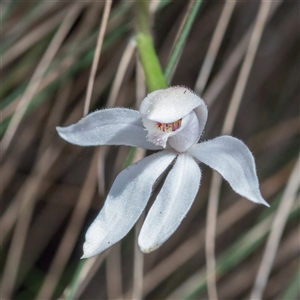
(154, 76)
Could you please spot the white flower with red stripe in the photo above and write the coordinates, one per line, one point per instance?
(172, 121)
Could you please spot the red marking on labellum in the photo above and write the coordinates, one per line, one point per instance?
(167, 127)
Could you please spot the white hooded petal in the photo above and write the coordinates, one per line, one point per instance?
(201, 112)
(234, 161)
(114, 126)
(125, 202)
(169, 105)
(187, 136)
(172, 203)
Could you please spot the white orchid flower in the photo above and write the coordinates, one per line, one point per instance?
(171, 120)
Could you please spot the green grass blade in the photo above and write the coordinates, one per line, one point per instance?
(181, 40)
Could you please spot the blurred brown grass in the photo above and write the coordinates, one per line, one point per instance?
(47, 184)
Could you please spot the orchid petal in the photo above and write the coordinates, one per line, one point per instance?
(114, 126)
(187, 136)
(125, 202)
(169, 105)
(172, 203)
(201, 112)
(234, 161)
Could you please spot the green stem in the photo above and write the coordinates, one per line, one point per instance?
(153, 72)
(154, 77)
(143, 16)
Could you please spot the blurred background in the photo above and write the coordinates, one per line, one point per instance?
(242, 57)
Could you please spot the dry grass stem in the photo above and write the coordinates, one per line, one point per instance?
(38, 75)
(15, 30)
(53, 218)
(287, 201)
(138, 263)
(246, 67)
(123, 66)
(114, 273)
(102, 31)
(55, 116)
(210, 235)
(101, 169)
(27, 198)
(70, 236)
(213, 201)
(11, 213)
(47, 80)
(221, 79)
(32, 37)
(10, 165)
(214, 46)
(138, 266)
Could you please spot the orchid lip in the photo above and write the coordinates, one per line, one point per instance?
(169, 127)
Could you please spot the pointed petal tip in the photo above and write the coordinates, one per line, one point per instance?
(259, 199)
(59, 128)
(60, 131)
(85, 255)
(89, 250)
(265, 203)
(88, 255)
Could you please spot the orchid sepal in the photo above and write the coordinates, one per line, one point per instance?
(234, 161)
(112, 126)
